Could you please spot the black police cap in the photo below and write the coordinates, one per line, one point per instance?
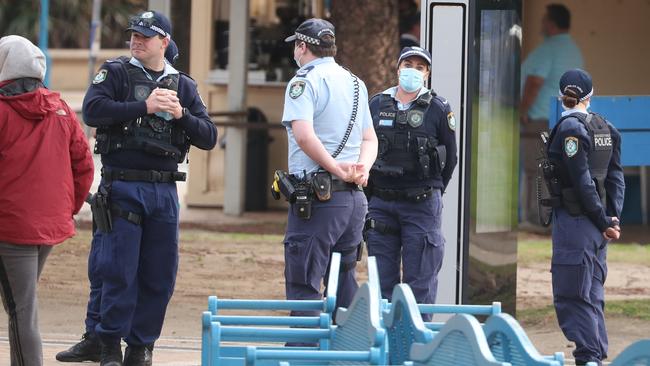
(312, 31)
(151, 23)
(578, 82)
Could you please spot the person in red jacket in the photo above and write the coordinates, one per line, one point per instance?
(46, 171)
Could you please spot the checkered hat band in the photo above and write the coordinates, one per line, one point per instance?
(158, 30)
(153, 27)
(307, 39)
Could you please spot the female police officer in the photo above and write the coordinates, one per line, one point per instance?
(585, 151)
(417, 155)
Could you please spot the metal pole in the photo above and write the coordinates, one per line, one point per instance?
(94, 46)
(238, 71)
(95, 38)
(42, 38)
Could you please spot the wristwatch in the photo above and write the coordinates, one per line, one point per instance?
(186, 112)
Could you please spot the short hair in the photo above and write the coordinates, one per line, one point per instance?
(326, 49)
(560, 15)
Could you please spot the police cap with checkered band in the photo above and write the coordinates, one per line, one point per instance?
(313, 31)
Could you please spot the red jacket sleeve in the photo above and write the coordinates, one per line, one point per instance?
(83, 168)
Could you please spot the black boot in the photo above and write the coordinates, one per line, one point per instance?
(89, 349)
(111, 354)
(138, 355)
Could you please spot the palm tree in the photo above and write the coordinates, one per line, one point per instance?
(368, 48)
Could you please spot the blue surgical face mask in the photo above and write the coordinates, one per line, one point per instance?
(410, 79)
(297, 60)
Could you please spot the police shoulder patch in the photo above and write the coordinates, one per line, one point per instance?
(451, 121)
(101, 76)
(571, 146)
(296, 89)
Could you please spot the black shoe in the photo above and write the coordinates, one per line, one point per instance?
(138, 355)
(111, 354)
(89, 349)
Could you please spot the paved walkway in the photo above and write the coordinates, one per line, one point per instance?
(168, 352)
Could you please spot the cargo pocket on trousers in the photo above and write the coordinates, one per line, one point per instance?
(298, 258)
(571, 274)
(433, 253)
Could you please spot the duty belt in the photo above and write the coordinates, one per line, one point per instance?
(407, 194)
(153, 176)
(339, 185)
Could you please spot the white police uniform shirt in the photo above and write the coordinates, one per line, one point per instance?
(322, 92)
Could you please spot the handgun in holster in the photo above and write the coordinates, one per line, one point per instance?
(100, 207)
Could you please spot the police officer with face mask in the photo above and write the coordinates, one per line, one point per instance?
(332, 146)
(584, 151)
(417, 155)
(147, 115)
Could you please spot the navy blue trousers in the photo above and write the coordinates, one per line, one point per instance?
(418, 249)
(335, 226)
(579, 270)
(94, 298)
(137, 264)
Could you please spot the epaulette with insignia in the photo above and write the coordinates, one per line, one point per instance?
(305, 71)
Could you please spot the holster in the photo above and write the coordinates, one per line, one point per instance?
(101, 209)
(440, 156)
(321, 183)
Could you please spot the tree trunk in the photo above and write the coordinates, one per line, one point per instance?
(367, 39)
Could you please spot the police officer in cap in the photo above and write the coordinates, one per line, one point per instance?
(330, 136)
(417, 155)
(147, 115)
(585, 151)
(89, 348)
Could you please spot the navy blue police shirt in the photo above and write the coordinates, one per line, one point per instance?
(440, 121)
(105, 104)
(571, 145)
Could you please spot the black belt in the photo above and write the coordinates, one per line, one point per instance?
(153, 176)
(407, 194)
(339, 185)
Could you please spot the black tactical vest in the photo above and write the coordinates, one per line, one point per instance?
(406, 143)
(151, 133)
(601, 149)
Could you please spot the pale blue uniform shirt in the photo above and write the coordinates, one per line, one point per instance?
(550, 60)
(322, 92)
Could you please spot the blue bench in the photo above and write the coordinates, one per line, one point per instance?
(404, 325)
(508, 342)
(357, 338)
(217, 327)
(636, 354)
(460, 342)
